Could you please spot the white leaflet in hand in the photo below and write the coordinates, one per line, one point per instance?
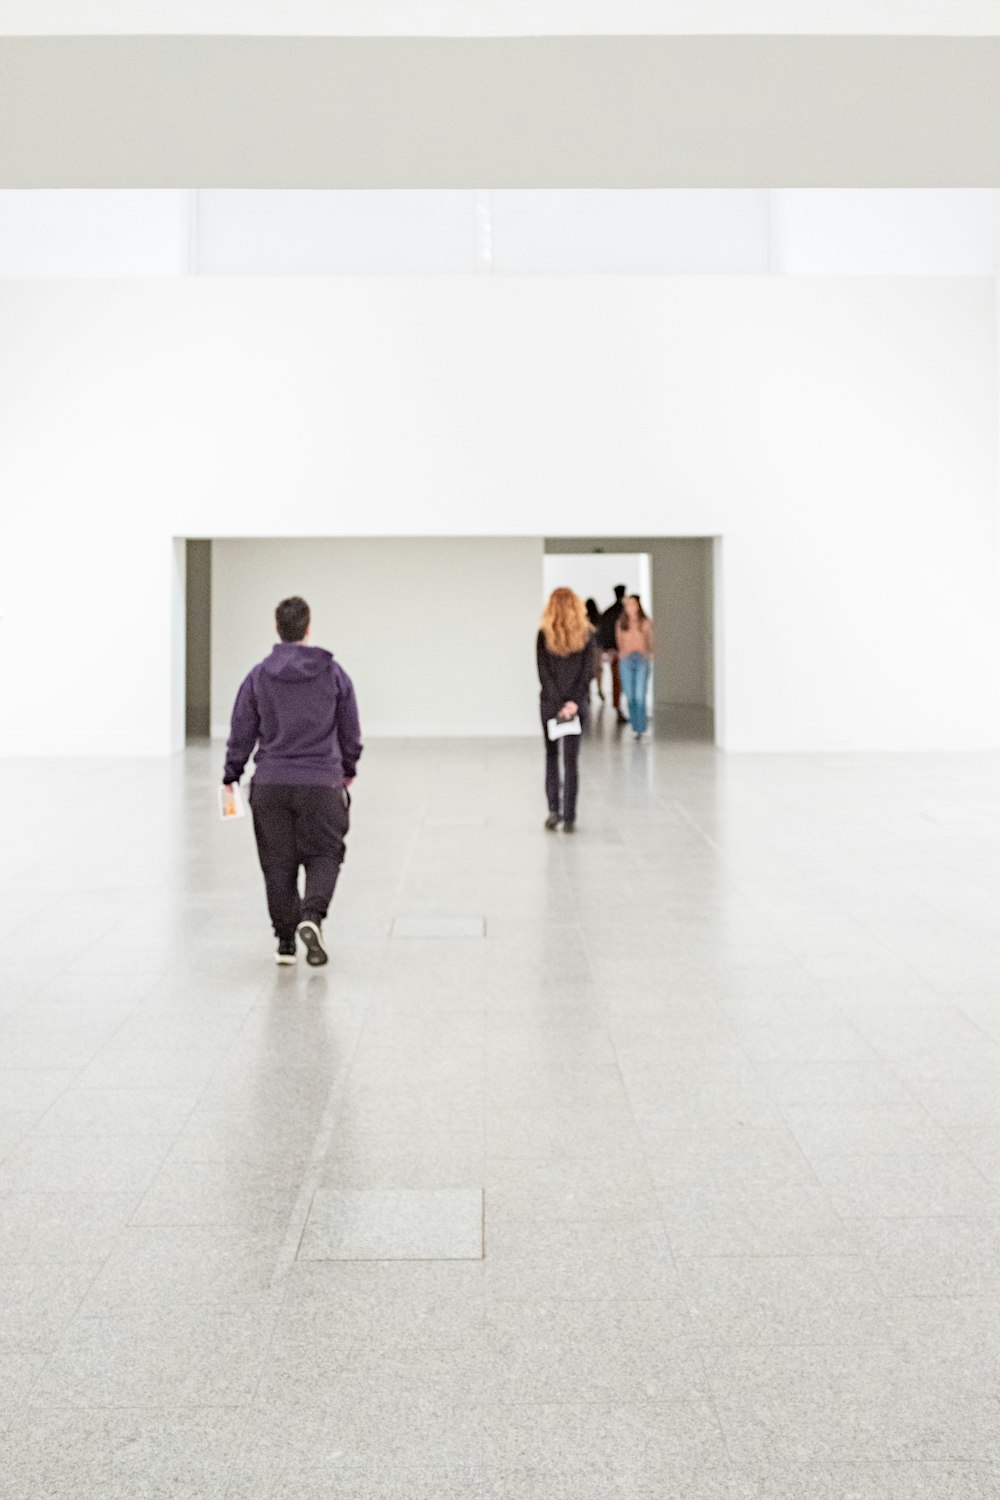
(231, 803)
(558, 728)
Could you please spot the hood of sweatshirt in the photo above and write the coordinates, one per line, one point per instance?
(290, 661)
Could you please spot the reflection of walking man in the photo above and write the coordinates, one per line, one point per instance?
(298, 707)
(609, 648)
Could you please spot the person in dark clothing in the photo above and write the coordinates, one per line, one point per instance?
(609, 648)
(298, 707)
(565, 652)
(594, 616)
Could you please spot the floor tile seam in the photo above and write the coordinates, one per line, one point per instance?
(181, 1407)
(818, 1181)
(71, 1322)
(952, 1131)
(938, 855)
(739, 889)
(275, 1321)
(893, 1063)
(976, 1025)
(252, 1014)
(584, 940)
(126, 1018)
(319, 1152)
(807, 877)
(975, 1221)
(686, 1295)
(19, 1010)
(74, 1317)
(60, 974)
(889, 947)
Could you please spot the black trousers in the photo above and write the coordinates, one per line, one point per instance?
(562, 800)
(299, 825)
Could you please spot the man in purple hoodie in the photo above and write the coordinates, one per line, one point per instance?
(298, 707)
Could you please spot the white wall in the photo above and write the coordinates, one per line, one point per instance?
(595, 574)
(839, 435)
(438, 636)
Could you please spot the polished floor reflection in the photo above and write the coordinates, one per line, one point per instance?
(675, 1175)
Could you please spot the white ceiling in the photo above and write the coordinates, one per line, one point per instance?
(321, 95)
(137, 232)
(496, 18)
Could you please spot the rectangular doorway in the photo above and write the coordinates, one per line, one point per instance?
(680, 596)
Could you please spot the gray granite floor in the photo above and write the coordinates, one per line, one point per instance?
(693, 1120)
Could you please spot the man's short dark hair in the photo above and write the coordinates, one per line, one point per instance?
(292, 618)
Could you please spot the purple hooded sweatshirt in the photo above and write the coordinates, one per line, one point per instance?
(298, 707)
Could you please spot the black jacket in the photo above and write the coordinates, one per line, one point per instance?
(606, 630)
(564, 679)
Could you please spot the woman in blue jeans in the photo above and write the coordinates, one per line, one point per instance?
(634, 637)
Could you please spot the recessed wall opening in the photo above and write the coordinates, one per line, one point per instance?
(198, 639)
(438, 633)
(675, 577)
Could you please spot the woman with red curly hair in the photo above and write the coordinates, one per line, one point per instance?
(565, 651)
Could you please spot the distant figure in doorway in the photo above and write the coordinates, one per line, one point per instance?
(565, 650)
(298, 707)
(594, 616)
(634, 635)
(609, 648)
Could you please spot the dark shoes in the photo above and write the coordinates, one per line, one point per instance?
(569, 826)
(552, 821)
(286, 953)
(312, 936)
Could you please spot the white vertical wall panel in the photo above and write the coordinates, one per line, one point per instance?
(599, 231)
(438, 634)
(76, 232)
(299, 233)
(888, 232)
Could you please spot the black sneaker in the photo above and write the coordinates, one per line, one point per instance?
(569, 826)
(286, 953)
(552, 821)
(312, 935)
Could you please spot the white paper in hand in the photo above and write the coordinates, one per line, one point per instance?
(231, 803)
(558, 728)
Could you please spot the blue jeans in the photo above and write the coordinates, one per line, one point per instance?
(635, 682)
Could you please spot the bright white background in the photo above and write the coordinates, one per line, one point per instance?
(840, 435)
(594, 575)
